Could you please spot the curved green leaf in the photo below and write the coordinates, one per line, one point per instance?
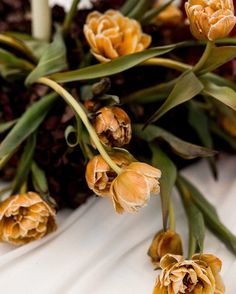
(52, 60)
(27, 124)
(39, 179)
(210, 216)
(17, 44)
(139, 9)
(225, 95)
(71, 136)
(218, 57)
(5, 126)
(128, 6)
(11, 61)
(167, 180)
(195, 219)
(25, 163)
(186, 87)
(113, 67)
(182, 148)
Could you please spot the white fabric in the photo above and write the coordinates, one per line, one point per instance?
(97, 251)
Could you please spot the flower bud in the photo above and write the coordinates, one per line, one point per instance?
(163, 243)
(132, 187)
(113, 126)
(210, 19)
(25, 218)
(99, 174)
(111, 35)
(197, 275)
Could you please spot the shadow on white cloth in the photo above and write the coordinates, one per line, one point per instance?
(98, 251)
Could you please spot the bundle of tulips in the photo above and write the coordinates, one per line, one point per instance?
(88, 106)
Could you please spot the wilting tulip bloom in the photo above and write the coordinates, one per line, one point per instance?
(113, 126)
(111, 35)
(131, 189)
(25, 218)
(210, 19)
(163, 243)
(99, 174)
(198, 275)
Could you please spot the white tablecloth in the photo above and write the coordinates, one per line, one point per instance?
(98, 251)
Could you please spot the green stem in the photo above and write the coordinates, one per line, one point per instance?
(80, 112)
(69, 16)
(165, 62)
(171, 216)
(204, 57)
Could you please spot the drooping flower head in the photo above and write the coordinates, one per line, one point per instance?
(131, 189)
(164, 243)
(99, 174)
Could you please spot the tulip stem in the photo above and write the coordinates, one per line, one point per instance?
(171, 216)
(204, 57)
(81, 113)
(69, 16)
(165, 62)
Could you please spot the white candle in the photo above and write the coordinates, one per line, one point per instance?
(41, 19)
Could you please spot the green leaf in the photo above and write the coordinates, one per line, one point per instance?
(5, 126)
(167, 181)
(182, 148)
(24, 165)
(219, 80)
(39, 179)
(71, 136)
(195, 219)
(37, 47)
(218, 57)
(153, 13)
(52, 60)
(17, 44)
(139, 9)
(199, 122)
(225, 95)
(151, 94)
(128, 6)
(210, 216)
(11, 61)
(186, 87)
(27, 124)
(113, 67)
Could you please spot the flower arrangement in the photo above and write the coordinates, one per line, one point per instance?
(115, 100)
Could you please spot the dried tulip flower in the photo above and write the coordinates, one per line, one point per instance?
(99, 175)
(132, 187)
(197, 275)
(210, 19)
(164, 243)
(25, 218)
(113, 126)
(111, 35)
